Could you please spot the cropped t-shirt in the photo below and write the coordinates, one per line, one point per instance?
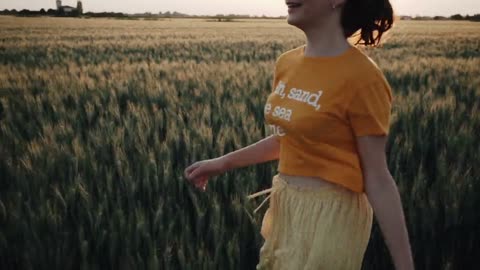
(318, 105)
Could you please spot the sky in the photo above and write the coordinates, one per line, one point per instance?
(250, 7)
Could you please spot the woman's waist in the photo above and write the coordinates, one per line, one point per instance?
(306, 181)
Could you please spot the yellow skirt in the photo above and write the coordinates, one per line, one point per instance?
(321, 228)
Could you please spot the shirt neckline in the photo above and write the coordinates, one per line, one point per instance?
(323, 59)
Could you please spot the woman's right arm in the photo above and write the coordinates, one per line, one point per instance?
(264, 150)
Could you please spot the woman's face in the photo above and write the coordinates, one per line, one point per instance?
(307, 13)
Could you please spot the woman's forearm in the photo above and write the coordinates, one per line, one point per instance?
(387, 208)
(264, 150)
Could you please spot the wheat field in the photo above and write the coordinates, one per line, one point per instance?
(99, 118)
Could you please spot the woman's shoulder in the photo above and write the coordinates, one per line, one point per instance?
(364, 67)
(289, 54)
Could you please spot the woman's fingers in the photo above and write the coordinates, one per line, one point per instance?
(194, 175)
(201, 182)
(189, 170)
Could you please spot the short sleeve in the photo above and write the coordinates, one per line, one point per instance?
(369, 110)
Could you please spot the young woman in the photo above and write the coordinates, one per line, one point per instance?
(330, 114)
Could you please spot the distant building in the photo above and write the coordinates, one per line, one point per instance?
(69, 10)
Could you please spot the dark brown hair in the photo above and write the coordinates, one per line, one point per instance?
(367, 16)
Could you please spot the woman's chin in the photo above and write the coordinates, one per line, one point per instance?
(293, 20)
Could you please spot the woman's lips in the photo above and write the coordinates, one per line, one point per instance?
(290, 9)
(293, 6)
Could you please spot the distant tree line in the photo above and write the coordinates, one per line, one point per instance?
(218, 17)
(41, 12)
(26, 12)
(167, 14)
(475, 17)
(456, 17)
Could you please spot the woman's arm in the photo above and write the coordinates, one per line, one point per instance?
(384, 197)
(264, 150)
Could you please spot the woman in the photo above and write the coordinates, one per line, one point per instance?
(330, 113)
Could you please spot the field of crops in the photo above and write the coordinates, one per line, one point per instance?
(99, 118)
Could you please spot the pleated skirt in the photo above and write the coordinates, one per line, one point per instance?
(319, 228)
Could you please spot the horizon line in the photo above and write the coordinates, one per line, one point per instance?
(232, 14)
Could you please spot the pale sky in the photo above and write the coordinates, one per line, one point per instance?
(251, 7)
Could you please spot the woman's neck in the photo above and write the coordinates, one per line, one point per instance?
(325, 39)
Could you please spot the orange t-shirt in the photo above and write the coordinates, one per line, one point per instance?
(317, 107)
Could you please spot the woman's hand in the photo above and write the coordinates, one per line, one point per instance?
(199, 172)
